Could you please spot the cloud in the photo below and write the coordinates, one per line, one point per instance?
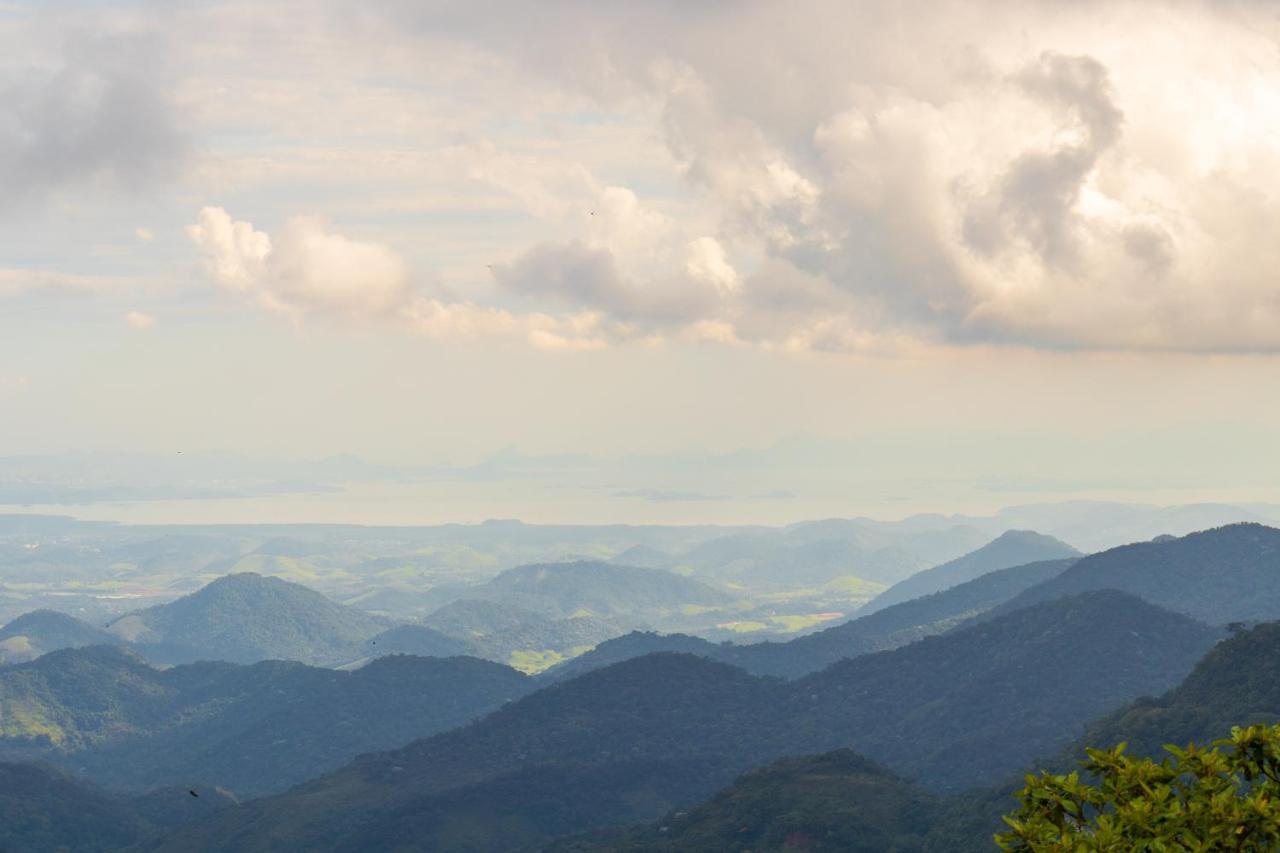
(18, 281)
(666, 495)
(85, 110)
(312, 271)
(1057, 176)
(138, 320)
(309, 269)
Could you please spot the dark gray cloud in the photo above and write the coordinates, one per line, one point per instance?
(98, 115)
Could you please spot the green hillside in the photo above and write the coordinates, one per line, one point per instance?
(1012, 548)
(1223, 575)
(245, 618)
(252, 729)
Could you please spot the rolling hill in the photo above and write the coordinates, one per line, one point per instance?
(837, 802)
(417, 640)
(1236, 684)
(969, 707)
(42, 631)
(965, 708)
(509, 634)
(890, 628)
(245, 618)
(606, 590)
(1012, 548)
(1218, 576)
(106, 713)
(43, 811)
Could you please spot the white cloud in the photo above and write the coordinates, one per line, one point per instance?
(308, 270)
(312, 271)
(1061, 176)
(139, 320)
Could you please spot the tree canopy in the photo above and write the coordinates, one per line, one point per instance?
(1225, 797)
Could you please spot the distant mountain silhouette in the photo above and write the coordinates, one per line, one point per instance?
(1223, 575)
(41, 631)
(605, 590)
(105, 712)
(968, 707)
(1012, 548)
(816, 552)
(885, 629)
(244, 618)
(416, 640)
(500, 631)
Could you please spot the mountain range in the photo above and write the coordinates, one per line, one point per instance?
(894, 626)
(966, 708)
(1012, 548)
(110, 716)
(1227, 574)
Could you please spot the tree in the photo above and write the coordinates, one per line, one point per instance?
(1222, 798)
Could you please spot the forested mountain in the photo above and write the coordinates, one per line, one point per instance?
(245, 618)
(46, 810)
(109, 715)
(1218, 576)
(507, 633)
(43, 810)
(606, 590)
(41, 631)
(638, 644)
(968, 707)
(837, 802)
(417, 640)
(817, 552)
(885, 629)
(971, 706)
(1012, 548)
(704, 718)
(1236, 684)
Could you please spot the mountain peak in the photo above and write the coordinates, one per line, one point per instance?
(1009, 549)
(1220, 575)
(247, 617)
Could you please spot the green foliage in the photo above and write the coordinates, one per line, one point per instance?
(891, 628)
(1236, 683)
(1218, 799)
(42, 631)
(973, 705)
(838, 801)
(1227, 574)
(252, 729)
(245, 618)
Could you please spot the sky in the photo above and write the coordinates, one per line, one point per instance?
(975, 253)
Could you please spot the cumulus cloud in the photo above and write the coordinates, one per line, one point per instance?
(1062, 176)
(312, 271)
(309, 269)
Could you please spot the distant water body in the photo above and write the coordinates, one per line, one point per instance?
(542, 502)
